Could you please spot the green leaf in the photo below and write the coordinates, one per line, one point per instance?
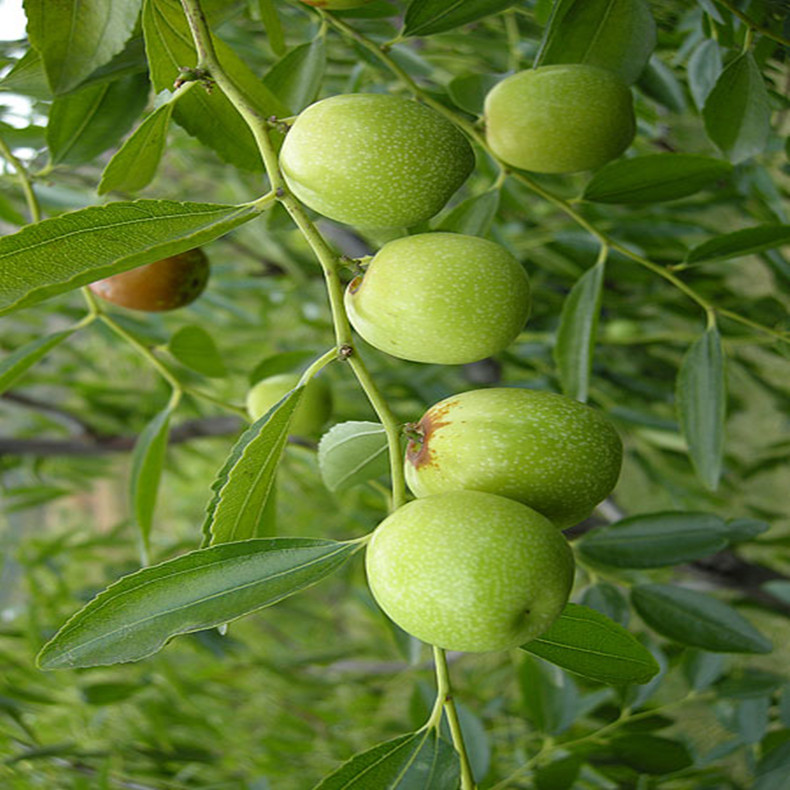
(737, 111)
(779, 589)
(702, 668)
(588, 643)
(701, 404)
(247, 478)
(76, 37)
(87, 122)
(351, 453)
(618, 35)
(135, 164)
(208, 116)
(651, 754)
(658, 81)
(28, 77)
(21, 360)
(137, 615)
(703, 70)
(741, 529)
(296, 78)
(415, 761)
(559, 773)
(472, 216)
(608, 600)
(426, 17)
(740, 242)
(696, 619)
(194, 347)
(148, 459)
(470, 90)
(284, 362)
(573, 351)
(272, 25)
(772, 770)
(549, 696)
(59, 254)
(654, 178)
(655, 540)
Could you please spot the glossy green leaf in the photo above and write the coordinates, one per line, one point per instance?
(208, 116)
(87, 122)
(588, 643)
(426, 17)
(701, 404)
(296, 78)
(696, 619)
(415, 761)
(137, 615)
(244, 483)
(148, 459)
(194, 347)
(704, 68)
(618, 35)
(76, 37)
(740, 242)
(351, 453)
(651, 754)
(469, 91)
(655, 540)
(18, 362)
(59, 254)
(270, 20)
(135, 164)
(737, 111)
(573, 351)
(654, 178)
(472, 216)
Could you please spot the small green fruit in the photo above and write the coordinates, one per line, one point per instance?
(469, 571)
(374, 161)
(311, 414)
(560, 119)
(440, 297)
(545, 450)
(163, 285)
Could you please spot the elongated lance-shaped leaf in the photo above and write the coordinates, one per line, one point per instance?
(76, 37)
(588, 643)
(247, 478)
(59, 254)
(296, 78)
(18, 362)
(573, 351)
(147, 460)
(701, 403)
(137, 615)
(415, 761)
(740, 242)
(426, 17)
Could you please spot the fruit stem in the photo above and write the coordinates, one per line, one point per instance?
(444, 699)
(25, 181)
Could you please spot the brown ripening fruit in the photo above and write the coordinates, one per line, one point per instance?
(163, 285)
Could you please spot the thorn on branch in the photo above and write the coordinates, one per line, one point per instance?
(344, 352)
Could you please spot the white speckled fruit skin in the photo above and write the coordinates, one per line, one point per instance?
(548, 451)
(374, 161)
(444, 298)
(470, 571)
(560, 119)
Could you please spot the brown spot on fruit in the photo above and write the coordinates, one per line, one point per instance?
(355, 284)
(419, 453)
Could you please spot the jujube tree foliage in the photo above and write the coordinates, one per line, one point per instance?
(492, 354)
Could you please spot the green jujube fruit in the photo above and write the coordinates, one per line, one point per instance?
(444, 298)
(312, 412)
(560, 119)
(548, 451)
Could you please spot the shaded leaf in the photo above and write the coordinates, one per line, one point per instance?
(244, 483)
(549, 696)
(59, 254)
(608, 600)
(409, 762)
(284, 362)
(352, 452)
(654, 178)
(737, 111)
(573, 351)
(660, 83)
(703, 70)
(701, 404)
(588, 643)
(618, 35)
(137, 615)
(272, 25)
(426, 17)
(655, 540)
(696, 619)
(740, 242)
(472, 216)
(296, 78)
(470, 90)
(18, 362)
(651, 754)
(194, 347)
